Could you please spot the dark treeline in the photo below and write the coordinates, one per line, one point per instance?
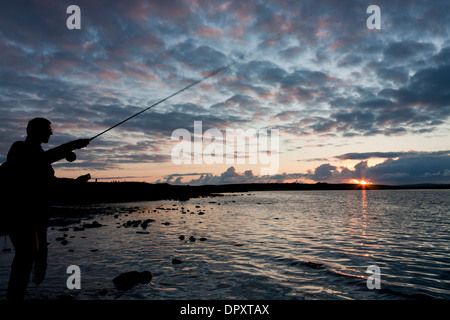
(103, 192)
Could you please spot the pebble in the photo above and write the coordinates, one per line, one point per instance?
(94, 224)
(128, 280)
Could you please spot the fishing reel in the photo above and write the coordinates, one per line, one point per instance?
(71, 156)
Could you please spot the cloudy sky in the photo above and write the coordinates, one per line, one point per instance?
(348, 102)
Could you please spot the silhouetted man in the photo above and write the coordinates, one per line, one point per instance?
(30, 176)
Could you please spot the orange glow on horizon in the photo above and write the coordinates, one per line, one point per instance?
(360, 182)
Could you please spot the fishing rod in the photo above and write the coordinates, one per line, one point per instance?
(71, 156)
(215, 72)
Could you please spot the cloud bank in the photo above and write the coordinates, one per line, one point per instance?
(400, 168)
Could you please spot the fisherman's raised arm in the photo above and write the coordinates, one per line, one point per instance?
(65, 149)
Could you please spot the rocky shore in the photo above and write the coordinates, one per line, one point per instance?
(75, 221)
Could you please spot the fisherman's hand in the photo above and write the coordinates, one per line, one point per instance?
(80, 143)
(84, 178)
(77, 144)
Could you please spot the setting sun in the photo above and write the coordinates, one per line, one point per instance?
(361, 182)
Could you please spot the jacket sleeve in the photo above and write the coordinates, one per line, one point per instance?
(61, 152)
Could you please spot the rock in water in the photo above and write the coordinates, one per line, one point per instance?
(94, 224)
(128, 280)
(103, 292)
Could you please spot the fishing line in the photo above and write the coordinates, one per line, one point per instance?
(102, 167)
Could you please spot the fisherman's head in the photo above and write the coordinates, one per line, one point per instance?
(39, 129)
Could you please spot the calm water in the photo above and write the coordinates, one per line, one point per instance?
(260, 245)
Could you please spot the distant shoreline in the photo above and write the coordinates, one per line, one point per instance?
(104, 192)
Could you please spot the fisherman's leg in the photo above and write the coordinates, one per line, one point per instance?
(25, 249)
